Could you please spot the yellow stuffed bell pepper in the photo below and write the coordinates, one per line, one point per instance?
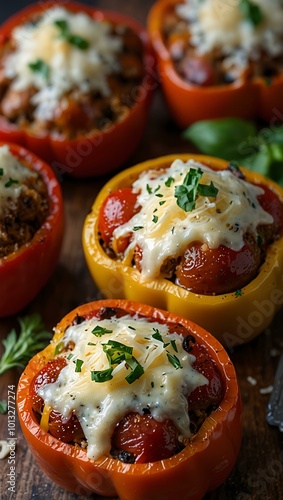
(234, 316)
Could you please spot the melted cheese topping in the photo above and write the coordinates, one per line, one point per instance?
(12, 174)
(69, 66)
(99, 406)
(163, 230)
(216, 24)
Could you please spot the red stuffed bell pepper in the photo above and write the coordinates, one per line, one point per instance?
(128, 377)
(216, 60)
(31, 222)
(82, 104)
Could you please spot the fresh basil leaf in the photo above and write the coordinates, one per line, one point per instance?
(260, 161)
(221, 137)
(251, 12)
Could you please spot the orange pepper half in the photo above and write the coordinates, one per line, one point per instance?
(202, 466)
(234, 318)
(189, 103)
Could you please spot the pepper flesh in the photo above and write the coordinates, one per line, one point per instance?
(96, 152)
(189, 103)
(24, 272)
(234, 318)
(202, 466)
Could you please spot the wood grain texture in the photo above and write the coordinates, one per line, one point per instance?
(259, 470)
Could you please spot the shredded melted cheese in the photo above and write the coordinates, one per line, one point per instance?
(163, 230)
(220, 25)
(69, 66)
(12, 174)
(99, 406)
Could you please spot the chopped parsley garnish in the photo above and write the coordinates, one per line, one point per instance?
(174, 360)
(79, 363)
(102, 375)
(98, 331)
(173, 344)
(162, 202)
(149, 189)
(251, 12)
(169, 181)
(136, 228)
(70, 356)
(154, 219)
(238, 293)
(10, 182)
(41, 67)
(76, 40)
(187, 192)
(136, 370)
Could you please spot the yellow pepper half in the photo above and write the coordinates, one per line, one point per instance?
(233, 318)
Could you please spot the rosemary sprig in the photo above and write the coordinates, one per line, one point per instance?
(18, 350)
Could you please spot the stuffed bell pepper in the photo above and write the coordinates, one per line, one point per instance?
(196, 235)
(219, 60)
(31, 226)
(132, 401)
(75, 85)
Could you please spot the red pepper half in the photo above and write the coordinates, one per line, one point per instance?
(24, 272)
(191, 102)
(96, 152)
(200, 467)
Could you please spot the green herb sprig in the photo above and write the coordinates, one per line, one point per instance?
(235, 139)
(19, 349)
(187, 192)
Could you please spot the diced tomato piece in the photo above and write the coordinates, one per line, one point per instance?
(118, 208)
(145, 439)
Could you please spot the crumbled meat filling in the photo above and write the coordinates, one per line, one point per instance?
(22, 216)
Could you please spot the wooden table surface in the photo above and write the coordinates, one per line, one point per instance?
(259, 470)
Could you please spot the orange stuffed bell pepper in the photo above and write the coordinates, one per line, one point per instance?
(83, 103)
(194, 235)
(133, 401)
(217, 61)
(32, 224)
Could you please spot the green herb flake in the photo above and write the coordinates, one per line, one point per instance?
(162, 202)
(10, 182)
(155, 219)
(79, 363)
(174, 360)
(91, 343)
(137, 228)
(98, 331)
(131, 327)
(173, 344)
(102, 375)
(169, 181)
(41, 67)
(238, 293)
(136, 370)
(76, 40)
(70, 356)
(251, 12)
(149, 189)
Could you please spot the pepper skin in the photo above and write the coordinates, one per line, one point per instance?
(24, 272)
(93, 153)
(234, 318)
(203, 464)
(189, 103)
